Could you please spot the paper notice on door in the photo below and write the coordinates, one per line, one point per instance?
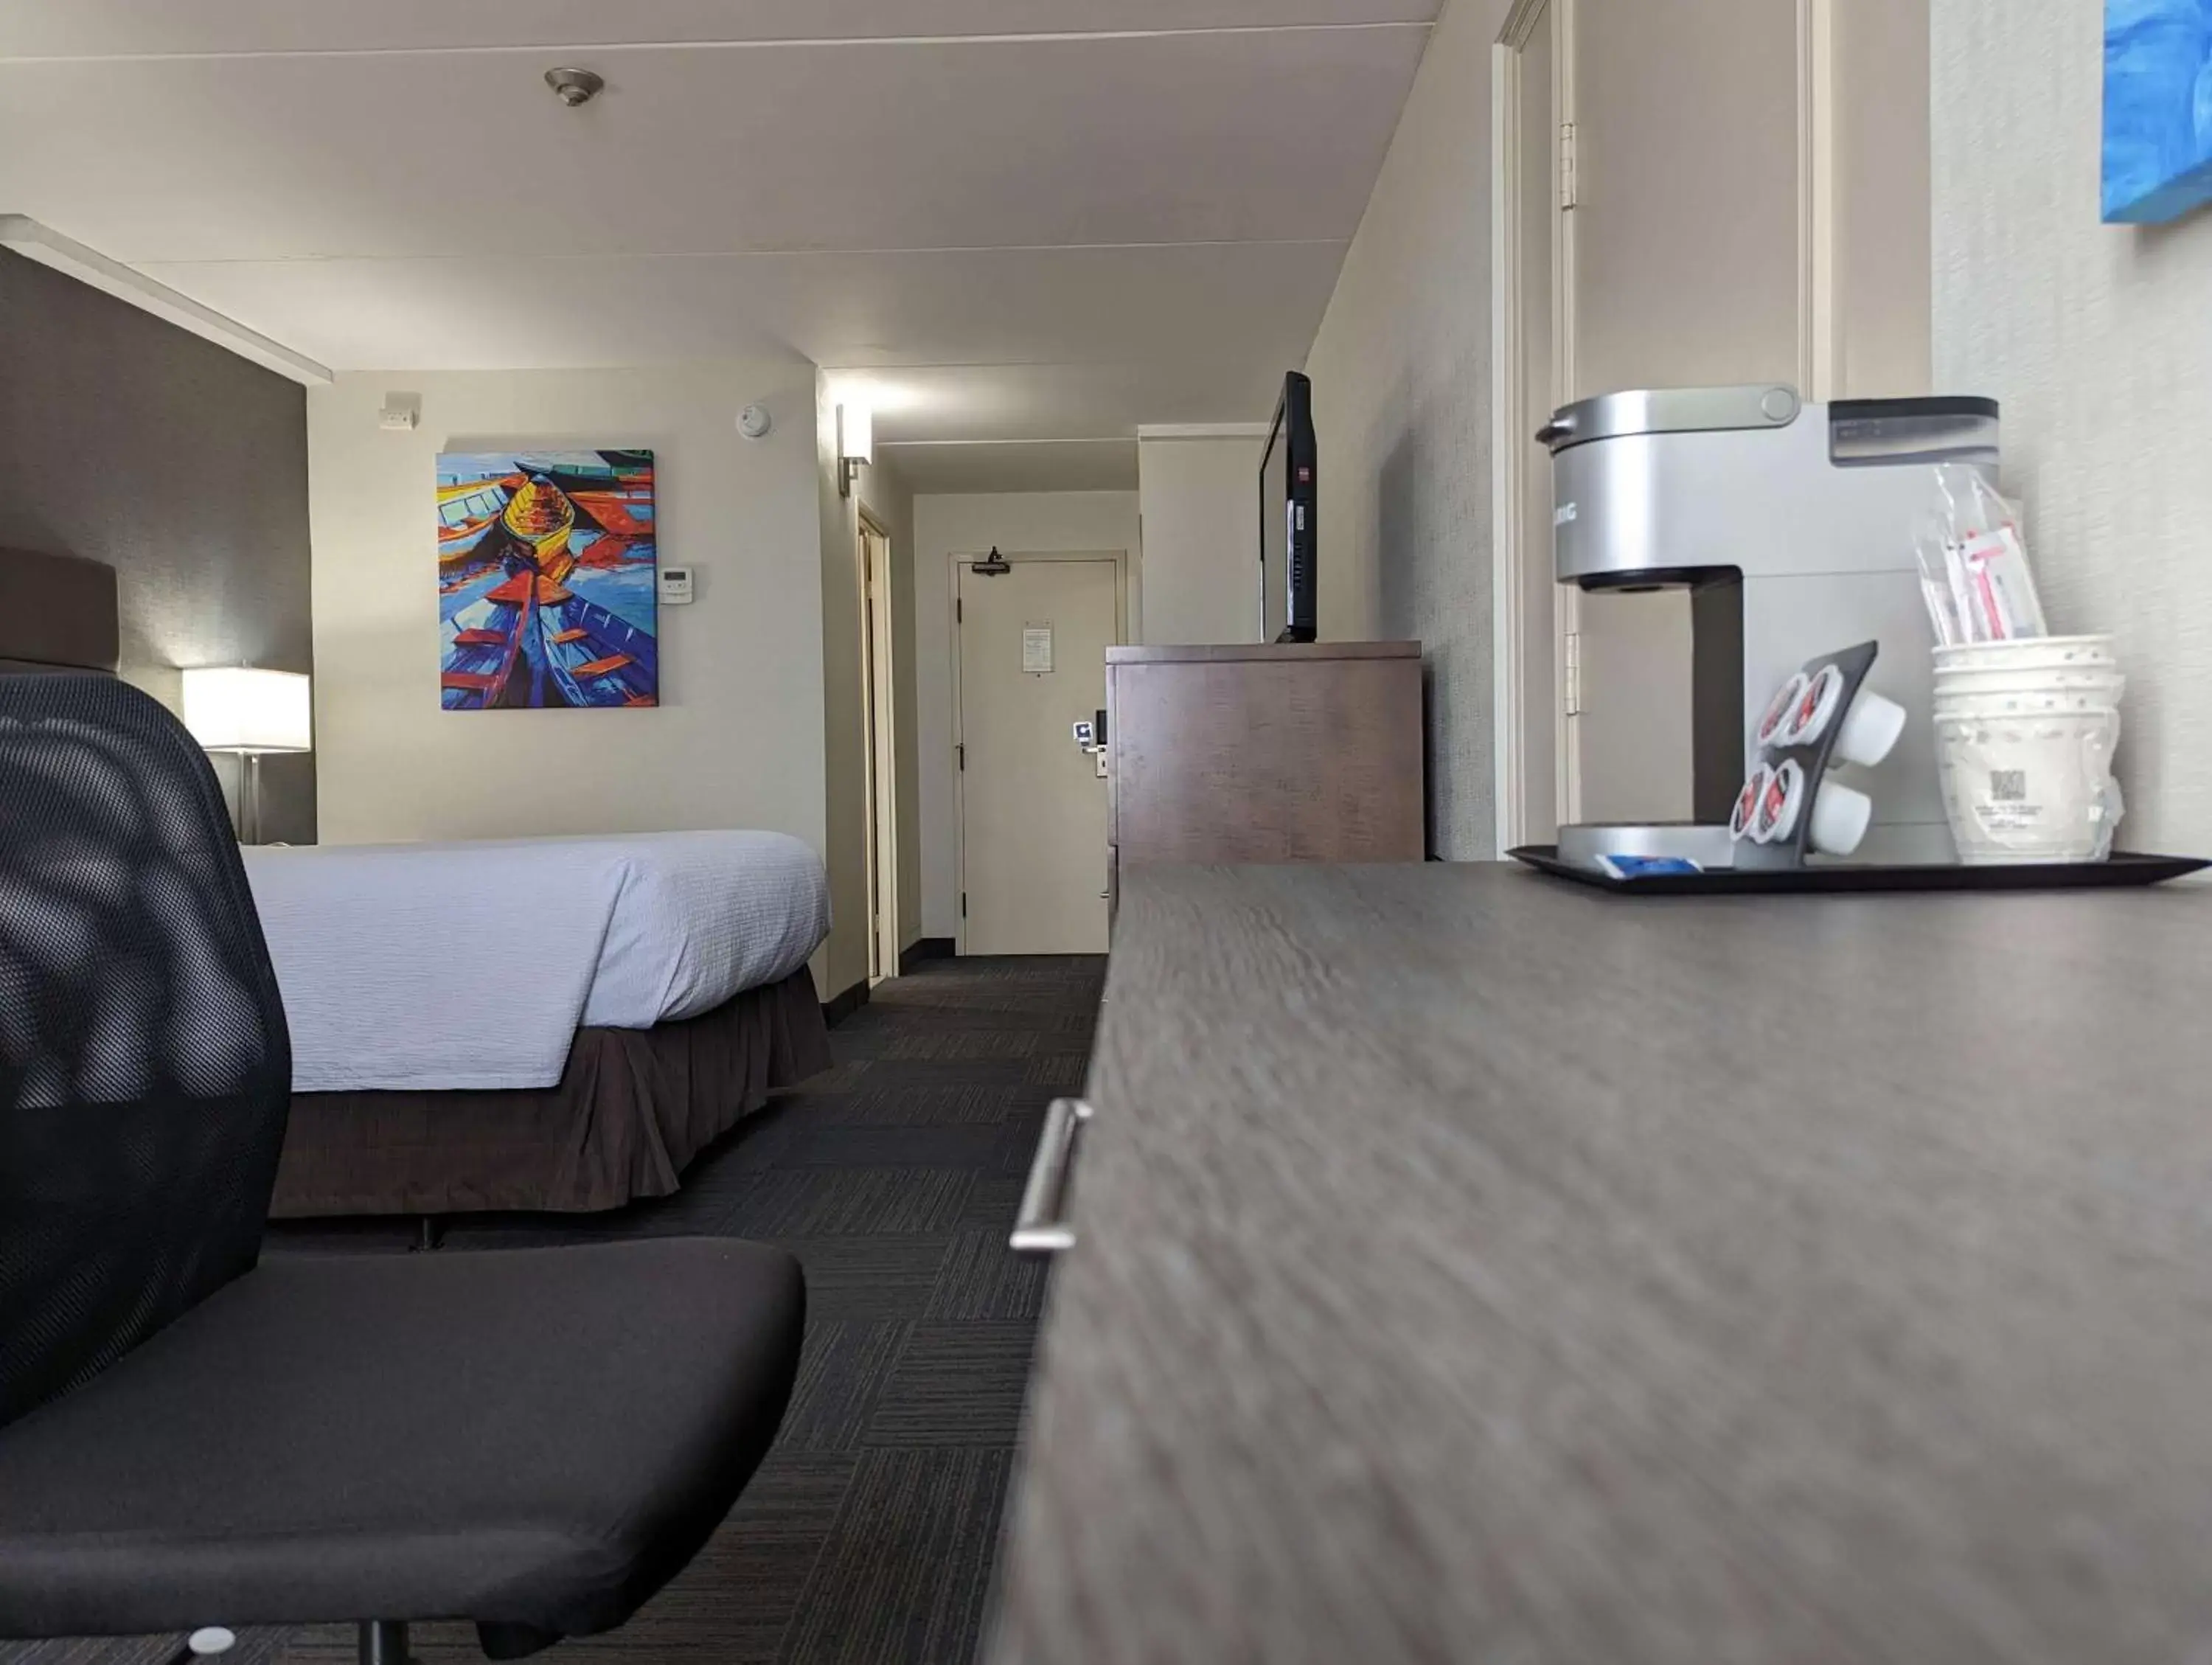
(1036, 650)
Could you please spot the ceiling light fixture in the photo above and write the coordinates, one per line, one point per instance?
(33, 241)
(576, 87)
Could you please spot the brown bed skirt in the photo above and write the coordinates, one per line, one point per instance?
(631, 1109)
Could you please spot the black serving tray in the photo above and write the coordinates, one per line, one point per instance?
(2125, 869)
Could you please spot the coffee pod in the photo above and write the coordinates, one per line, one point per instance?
(1746, 813)
(1779, 803)
(1841, 815)
(1780, 709)
(1816, 709)
(1870, 729)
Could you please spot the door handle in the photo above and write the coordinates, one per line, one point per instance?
(1039, 1227)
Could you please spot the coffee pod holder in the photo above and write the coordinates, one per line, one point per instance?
(1798, 735)
(1816, 721)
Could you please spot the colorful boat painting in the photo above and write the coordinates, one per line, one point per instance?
(547, 580)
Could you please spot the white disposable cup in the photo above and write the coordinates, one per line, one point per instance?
(1871, 730)
(1841, 815)
(1976, 679)
(2029, 653)
(2047, 702)
(2027, 788)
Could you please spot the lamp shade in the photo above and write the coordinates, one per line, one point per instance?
(856, 432)
(231, 708)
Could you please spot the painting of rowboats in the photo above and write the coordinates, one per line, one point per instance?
(547, 570)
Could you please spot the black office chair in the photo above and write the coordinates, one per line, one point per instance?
(534, 1439)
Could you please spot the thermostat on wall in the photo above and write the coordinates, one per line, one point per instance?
(675, 586)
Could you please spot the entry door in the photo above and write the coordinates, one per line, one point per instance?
(1033, 646)
(1680, 257)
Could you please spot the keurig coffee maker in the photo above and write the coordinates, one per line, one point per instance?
(1791, 525)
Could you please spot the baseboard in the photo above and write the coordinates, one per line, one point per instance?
(838, 1007)
(924, 948)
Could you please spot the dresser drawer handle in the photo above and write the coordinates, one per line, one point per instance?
(1039, 1229)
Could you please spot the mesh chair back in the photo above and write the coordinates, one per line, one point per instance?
(144, 1068)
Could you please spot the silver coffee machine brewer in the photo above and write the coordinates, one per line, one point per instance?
(1791, 525)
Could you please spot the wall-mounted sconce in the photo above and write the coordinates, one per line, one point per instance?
(856, 444)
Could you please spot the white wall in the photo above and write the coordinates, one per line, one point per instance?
(2098, 339)
(1401, 406)
(1199, 497)
(738, 739)
(947, 526)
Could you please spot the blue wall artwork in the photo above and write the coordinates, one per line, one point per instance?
(546, 568)
(2158, 108)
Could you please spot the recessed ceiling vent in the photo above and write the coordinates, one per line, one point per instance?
(576, 87)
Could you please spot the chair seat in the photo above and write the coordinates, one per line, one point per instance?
(538, 1437)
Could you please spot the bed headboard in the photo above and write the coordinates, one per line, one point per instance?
(57, 612)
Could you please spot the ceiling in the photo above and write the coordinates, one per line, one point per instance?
(1028, 225)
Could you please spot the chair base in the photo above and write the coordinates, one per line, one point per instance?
(384, 1642)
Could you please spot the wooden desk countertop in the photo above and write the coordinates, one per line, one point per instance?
(1475, 1268)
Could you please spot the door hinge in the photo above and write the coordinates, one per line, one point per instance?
(963, 904)
(1571, 673)
(959, 612)
(1568, 195)
(961, 753)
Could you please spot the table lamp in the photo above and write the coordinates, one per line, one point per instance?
(252, 712)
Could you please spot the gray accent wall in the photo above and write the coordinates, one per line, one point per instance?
(183, 467)
(1401, 409)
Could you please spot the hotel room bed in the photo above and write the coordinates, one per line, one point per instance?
(556, 1024)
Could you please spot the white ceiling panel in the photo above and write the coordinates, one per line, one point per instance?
(59, 28)
(1034, 402)
(1078, 465)
(1027, 225)
(1181, 138)
(1218, 302)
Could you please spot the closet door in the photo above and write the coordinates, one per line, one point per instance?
(1686, 225)
(1682, 268)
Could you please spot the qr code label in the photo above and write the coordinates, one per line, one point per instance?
(2009, 786)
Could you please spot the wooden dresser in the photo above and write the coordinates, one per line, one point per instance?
(1306, 751)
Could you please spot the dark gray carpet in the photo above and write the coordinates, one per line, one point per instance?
(869, 1534)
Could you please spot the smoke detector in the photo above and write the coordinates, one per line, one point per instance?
(576, 87)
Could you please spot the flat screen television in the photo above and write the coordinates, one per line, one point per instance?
(1289, 528)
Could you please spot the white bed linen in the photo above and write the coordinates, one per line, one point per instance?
(442, 966)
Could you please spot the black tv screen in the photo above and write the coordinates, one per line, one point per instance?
(1288, 525)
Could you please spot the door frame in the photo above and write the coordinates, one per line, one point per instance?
(879, 748)
(1819, 323)
(1515, 572)
(954, 565)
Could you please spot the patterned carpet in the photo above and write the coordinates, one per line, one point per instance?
(869, 1534)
